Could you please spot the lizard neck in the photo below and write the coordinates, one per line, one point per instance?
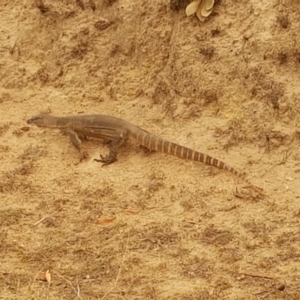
(52, 122)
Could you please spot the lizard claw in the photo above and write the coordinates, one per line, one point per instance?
(249, 191)
(83, 155)
(106, 160)
(146, 150)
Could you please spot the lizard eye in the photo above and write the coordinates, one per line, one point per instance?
(33, 119)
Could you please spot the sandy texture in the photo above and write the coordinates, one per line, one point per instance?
(150, 227)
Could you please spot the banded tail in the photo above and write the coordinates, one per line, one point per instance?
(155, 143)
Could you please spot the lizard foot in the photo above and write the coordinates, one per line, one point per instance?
(83, 155)
(106, 160)
(248, 192)
(146, 150)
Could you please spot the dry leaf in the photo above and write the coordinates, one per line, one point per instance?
(202, 19)
(209, 4)
(191, 221)
(48, 276)
(41, 276)
(259, 274)
(204, 12)
(192, 8)
(202, 9)
(105, 221)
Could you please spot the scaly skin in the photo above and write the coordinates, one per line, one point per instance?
(116, 131)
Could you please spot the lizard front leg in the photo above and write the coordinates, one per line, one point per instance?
(77, 143)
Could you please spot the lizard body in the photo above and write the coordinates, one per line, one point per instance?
(116, 131)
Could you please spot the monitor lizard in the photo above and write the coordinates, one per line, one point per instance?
(116, 131)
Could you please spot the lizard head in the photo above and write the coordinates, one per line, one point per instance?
(38, 120)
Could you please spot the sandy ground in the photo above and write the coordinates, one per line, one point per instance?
(150, 227)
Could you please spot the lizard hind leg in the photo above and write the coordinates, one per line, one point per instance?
(114, 145)
(146, 150)
(112, 155)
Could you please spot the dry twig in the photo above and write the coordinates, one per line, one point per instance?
(119, 272)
